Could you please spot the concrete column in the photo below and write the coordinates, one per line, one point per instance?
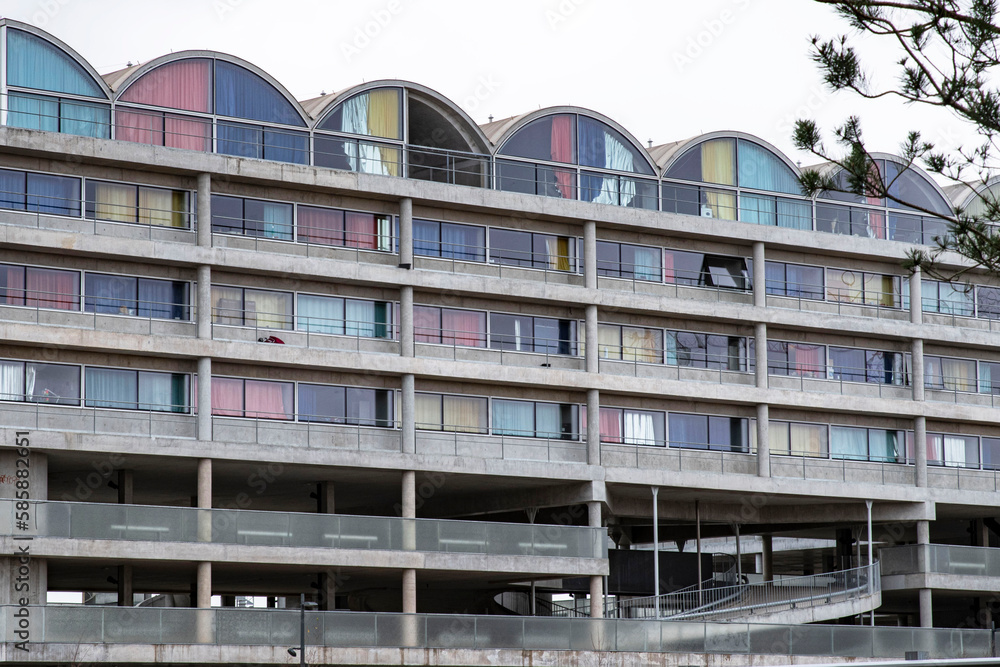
(926, 608)
(406, 321)
(204, 586)
(203, 302)
(409, 415)
(205, 210)
(18, 570)
(920, 450)
(590, 254)
(204, 398)
(763, 441)
(916, 299)
(409, 591)
(759, 275)
(125, 591)
(406, 233)
(205, 483)
(125, 487)
(593, 427)
(327, 592)
(408, 502)
(597, 581)
(590, 331)
(767, 557)
(324, 501)
(917, 369)
(760, 353)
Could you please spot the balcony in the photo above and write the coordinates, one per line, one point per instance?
(941, 566)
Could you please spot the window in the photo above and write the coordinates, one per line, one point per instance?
(800, 359)
(142, 297)
(44, 193)
(350, 317)
(871, 289)
(628, 343)
(698, 350)
(991, 453)
(950, 374)
(256, 399)
(39, 288)
(158, 128)
(457, 414)
(536, 420)
(795, 280)
(238, 306)
(701, 270)
(122, 202)
(988, 302)
(55, 384)
(346, 405)
(949, 449)
(136, 390)
(251, 217)
(58, 114)
(942, 297)
(876, 366)
(539, 251)
(449, 326)
(866, 444)
(352, 229)
(262, 142)
(524, 333)
(988, 370)
(621, 260)
(449, 240)
(726, 434)
(798, 439)
(630, 427)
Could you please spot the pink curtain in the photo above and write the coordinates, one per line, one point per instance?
(267, 400)
(52, 289)
(426, 324)
(562, 151)
(321, 225)
(360, 230)
(12, 285)
(876, 220)
(193, 134)
(463, 327)
(227, 397)
(185, 84)
(806, 360)
(669, 276)
(611, 425)
(139, 126)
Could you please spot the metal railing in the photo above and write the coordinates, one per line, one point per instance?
(941, 559)
(748, 599)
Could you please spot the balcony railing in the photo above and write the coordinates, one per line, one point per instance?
(940, 559)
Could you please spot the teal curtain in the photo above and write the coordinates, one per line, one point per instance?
(794, 214)
(321, 314)
(670, 349)
(547, 420)
(849, 443)
(514, 418)
(757, 210)
(360, 316)
(110, 388)
(761, 169)
(886, 446)
(647, 264)
(33, 62)
(163, 392)
(33, 113)
(86, 120)
(277, 221)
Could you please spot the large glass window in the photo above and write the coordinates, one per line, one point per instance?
(727, 434)
(795, 280)
(339, 316)
(871, 289)
(39, 288)
(536, 420)
(699, 350)
(58, 114)
(622, 260)
(251, 217)
(524, 333)
(121, 202)
(449, 240)
(950, 374)
(866, 444)
(798, 439)
(56, 384)
(630, 427)
(449, 326)
(799, 359)
(703, 270)
(628, 343)
(858, 365)
(346, 405)
(142, 297)
(352, 229)
(239, 306)
(457, 414)
(136, 390)
(942, 297)
(256, 399)
(44, 193)
(539, 251)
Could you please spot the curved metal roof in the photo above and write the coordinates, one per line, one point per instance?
(832, 169)
(668, 154)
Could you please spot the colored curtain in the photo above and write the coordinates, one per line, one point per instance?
(513, 418)
(548, 422)
(641, 345)
(162, 298)
(464, 414)
(426, 238)
(360, 319)
(717, 162)
(163, 208)
(239, 93)
(807, 360)
(33, 113)
(272, 310)
(163, 392)
(268, 400)
(757, 209)
(807, 439)
(958, 374)
(427, 412)
(360, 230)
(86, 120)
(427, 325)
(320, 314)
(880, 290)
(59, 195)
(609, 341)
(113, 201)
(383, 114)
(557, 253)
(285, 146)
(140, 127)
(277, 220)
(849, 443)
(227, 306)
(647, 263)
(611, 425)
(11, 381)
(670, 349)
(184, 84)
(463, 327)
(762, 170)
(47, 288)
(109, 388)
(321, 225)
(794, 214)
(562, 151)
(189, 133)
(33, 62)
(11, 285)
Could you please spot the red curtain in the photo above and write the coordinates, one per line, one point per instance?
(12, 285)
(321, 225)
(562, 151)
(463, 327)
(611, 425)
(267, 400)
(139, 126)
(669, 276)
(193, 134)
(52, 289)
(426, 324)
(227, 397)
(806, 360)
(185, 84)
(360, 230)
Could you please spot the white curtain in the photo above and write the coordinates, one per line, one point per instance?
(617, 190)
(11, 381)
(639, 428)
(954, 451)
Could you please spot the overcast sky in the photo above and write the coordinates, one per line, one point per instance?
(665, 70)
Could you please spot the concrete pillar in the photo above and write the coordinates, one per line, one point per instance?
(406, 233)
(204, 398)
(763, 441)
(760, 353)
(126, 592)
(920, 450)
(324, 500)
(916, 299)
(767, 557)
(409, 591)
(926, 608)
(409, 495)
(593, 427)
(590, 331)
(204, 586)
(203, 302)
(406, 321)
(125, 487)
(590, 254)
(327, 592)
(20, 569)
(597, 581)
(759, 275)
(409, 415)
(205, 210)
(917, 369)
(205, 483)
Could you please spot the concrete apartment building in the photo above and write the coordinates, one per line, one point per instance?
(462, 379)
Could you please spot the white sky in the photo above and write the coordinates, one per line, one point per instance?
(666, 70)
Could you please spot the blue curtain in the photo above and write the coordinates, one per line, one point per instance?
(86, 120)
(34, 63)
(239, 140)
(33, 113)
(756, 209)
(109, 388)
(426, 238)
(591, 152)
(321, 314)
(113, 295)
(463, 242)
(794, 214)
(762, 170)
(286, 146)
(158, 298)
(12, 189)
(514, 418)
(59, 195)
(240, 93)
(849, 443)
(688, 430)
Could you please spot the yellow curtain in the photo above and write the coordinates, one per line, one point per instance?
(718, 162)
(164, 208)
(227, 305)
(114, 202)
(268, 309)
(427, 411)
(390, 160)
(465, 414)
(609, 341)
(808, 439)
(383, 113)
(777, 437)
(958, 374)
(844, 286)
(557, 253)
(641, 345)
(880, 290)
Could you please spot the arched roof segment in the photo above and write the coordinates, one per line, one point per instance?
(504, 135)
(458, 121)
(187, 80)
(80, 78)
(738, 159)
(914, 185)
(973, 202)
